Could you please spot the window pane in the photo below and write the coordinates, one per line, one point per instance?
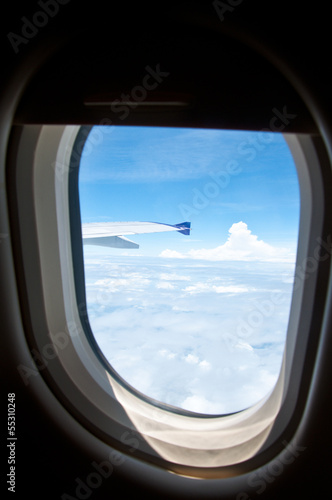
(196, 321)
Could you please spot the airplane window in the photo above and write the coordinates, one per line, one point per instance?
(190, 240)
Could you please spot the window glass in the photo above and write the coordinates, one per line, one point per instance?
(198, 320)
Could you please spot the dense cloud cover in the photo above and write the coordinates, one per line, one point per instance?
(201, 332)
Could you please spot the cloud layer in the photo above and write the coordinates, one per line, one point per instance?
(196, 335)
(240, 245)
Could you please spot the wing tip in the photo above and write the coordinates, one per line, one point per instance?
(184, 228)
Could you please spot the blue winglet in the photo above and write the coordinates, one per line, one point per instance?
(184, 228)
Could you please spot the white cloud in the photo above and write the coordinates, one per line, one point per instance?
(196, 403)
(174, 276)
(133, 281)
(172, 254)
(244, 345)
(191, 359)
(166, 354)
(182, 344)
(207, 287)
(197, 288)
(240, 245)
(205, 365)
(165, 286)
(230, 289)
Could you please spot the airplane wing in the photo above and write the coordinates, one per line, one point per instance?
(111, 234)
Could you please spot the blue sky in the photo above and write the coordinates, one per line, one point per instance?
(200, 321)
(212, 178)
